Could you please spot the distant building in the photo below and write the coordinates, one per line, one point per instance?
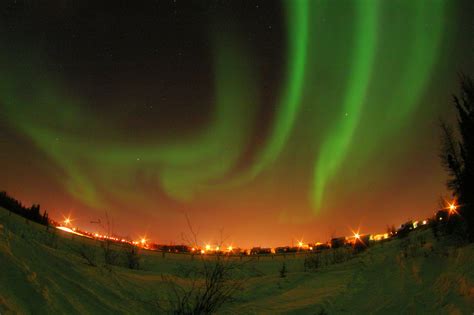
(260, 251)
(173, 248)
(405, 228)
(322, 246)
(281, 250)
(338, 242)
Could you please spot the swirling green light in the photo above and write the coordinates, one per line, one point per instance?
(91, 149)
(290, 101)
(334, 148)
(390, 95)
(388, 69)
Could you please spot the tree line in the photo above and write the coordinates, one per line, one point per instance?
(32, 213)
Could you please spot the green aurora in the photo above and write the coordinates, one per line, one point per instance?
(366, 69)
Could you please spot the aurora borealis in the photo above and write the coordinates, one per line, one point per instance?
(272, 121)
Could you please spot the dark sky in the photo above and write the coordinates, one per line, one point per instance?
(273, 121)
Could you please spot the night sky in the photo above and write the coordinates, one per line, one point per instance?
(264, 122)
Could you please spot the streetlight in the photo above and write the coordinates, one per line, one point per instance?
(452, 208)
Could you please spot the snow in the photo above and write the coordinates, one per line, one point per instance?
(41, 273)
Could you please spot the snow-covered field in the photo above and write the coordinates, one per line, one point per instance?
(44, 273)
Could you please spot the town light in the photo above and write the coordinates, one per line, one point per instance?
(67, 221)
(452, 208)
(300, 244)
(357, 235)
(208, 247)
(229, 248)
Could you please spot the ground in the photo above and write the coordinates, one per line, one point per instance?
(42, 272)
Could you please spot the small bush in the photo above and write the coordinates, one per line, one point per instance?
(211, 287)
(88, 253)
(283, 271)
(110, 256)
(132, 256)
(51, 239)
(313, 262)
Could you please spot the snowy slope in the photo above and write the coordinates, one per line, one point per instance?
(43, 274)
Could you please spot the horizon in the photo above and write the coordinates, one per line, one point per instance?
(191, 240)
(263, 122)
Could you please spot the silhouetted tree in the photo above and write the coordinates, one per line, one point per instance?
(33, 213)
(457, 156)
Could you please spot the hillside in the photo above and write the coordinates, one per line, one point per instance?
(42, 272)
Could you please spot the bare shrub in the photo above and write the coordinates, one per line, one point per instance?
(208, 286)
(132, 256)
(412, 247)
(88, 253)
(404, 247)
(211, 287)
(340, 255)
(312, 262)
(51, 239)
(110, 256)
(283, 271)
(328, 257)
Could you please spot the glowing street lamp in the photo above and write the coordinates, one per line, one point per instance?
(208, 247)
(452, 208)
(67, 220)
(357, 236)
